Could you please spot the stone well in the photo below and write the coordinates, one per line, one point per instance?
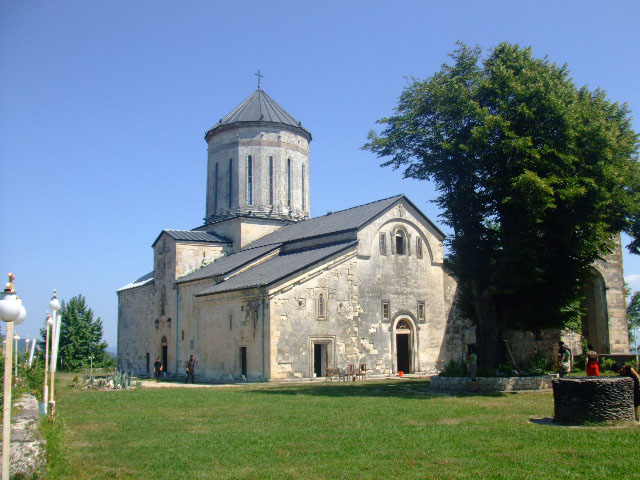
(593, 399)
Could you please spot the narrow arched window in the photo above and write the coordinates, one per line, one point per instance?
(419, 247)
(270, 180)
(322, 305)
(230, 190)
(250, 180)
(288, 182)
(303, 192)
(400, 242)
(215, 190)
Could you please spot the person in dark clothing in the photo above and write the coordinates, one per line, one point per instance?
(191, 369)
(627, 371)
(157, 370)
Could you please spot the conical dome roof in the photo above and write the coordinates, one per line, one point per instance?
(259, 108)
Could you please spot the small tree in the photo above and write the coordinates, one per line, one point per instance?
(80, 336)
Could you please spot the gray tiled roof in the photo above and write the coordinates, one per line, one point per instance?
(259, 107)
(344, 220)
(143, 280)
(277, 268)
(193, 236)
(228, 264)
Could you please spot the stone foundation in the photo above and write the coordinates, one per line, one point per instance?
(492, 384)
(593, 399)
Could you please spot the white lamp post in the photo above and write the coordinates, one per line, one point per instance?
(12, 312)
(54, 304)
(16, 337)
(45, 389)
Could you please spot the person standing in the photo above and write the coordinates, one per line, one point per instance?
(592, 367)
(564, 359)
(191, 369)
(472, 367)
(157, 369)
(627, 371)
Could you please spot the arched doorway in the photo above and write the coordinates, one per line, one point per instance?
(165, 354)
(404, 352)
(595, 319)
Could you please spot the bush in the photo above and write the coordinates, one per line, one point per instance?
(455, 369)
(606, 364)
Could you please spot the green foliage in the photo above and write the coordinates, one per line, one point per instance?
(539, 363)
(633, 314)
(535, 177)
(80, 337)
(454, 368)
(606, 364)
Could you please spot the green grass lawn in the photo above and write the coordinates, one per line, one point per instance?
(391, 429)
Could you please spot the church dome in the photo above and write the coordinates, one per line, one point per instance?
(259, 108)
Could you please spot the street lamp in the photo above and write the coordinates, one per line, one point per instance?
(54, 305)
(45, 389)
(26, 351)
(12, 312)
(16, 337)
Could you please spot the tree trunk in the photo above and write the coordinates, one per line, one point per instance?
(490, 345)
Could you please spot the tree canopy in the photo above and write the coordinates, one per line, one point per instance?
(633, 315)
(80, 336)
(534, 175)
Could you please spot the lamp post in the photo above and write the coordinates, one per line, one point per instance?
(26, 351)
(12, 312)
(16, 337)
(45, 389)
(54, 305)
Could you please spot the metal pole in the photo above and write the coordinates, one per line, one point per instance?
(6, 410)
(16, 364)
(52, 402)
(45, 389)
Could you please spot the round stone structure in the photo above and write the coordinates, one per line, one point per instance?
(592, 399)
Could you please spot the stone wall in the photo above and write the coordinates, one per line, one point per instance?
(492, 384)
(27, 452)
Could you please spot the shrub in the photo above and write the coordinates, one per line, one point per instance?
(454, 368)
(606, 364)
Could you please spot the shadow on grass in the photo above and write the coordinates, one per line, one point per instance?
(404, 389)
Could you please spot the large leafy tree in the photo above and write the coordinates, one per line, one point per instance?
(633, 315)
(535, 177)
(80, 336)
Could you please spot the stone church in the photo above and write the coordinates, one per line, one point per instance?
(262, 290)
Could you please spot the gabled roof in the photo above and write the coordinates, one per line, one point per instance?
(192, 236)
(228, 264)
(285, 238)
(277, 268)
(343, 221)
(259, 107)
(143, 280)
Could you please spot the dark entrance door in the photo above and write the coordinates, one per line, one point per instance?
(317, 359)
(165, 358)
(402, 351)
(148, 361)
(243, 360)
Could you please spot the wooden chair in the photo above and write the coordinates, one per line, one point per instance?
(351, 372)
(362, 372)
(331, 373)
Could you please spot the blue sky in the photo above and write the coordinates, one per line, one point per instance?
(103, 108)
